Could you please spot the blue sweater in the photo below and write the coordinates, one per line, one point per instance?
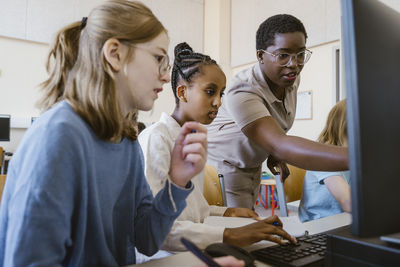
(72, 199)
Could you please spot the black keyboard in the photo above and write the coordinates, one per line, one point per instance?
(309, 251)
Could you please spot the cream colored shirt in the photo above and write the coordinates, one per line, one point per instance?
(157, 142)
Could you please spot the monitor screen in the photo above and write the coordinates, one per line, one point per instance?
(371, 46)
(5, 127)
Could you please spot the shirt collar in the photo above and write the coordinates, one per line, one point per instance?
(172, 124)
(258, 74)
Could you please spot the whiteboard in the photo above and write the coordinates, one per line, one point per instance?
(304, 105)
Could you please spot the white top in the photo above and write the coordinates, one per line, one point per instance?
(157, 142)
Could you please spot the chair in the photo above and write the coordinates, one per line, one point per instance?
(269, 185)
(2, 183)
(2, 160)
(291, 190)
(294, 183)
(214, 188)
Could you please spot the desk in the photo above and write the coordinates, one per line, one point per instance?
(185, 259)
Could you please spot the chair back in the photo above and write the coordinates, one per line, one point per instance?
(213, 191)
(1, 156)
(2, 183)
(294, 183)
(291, 190)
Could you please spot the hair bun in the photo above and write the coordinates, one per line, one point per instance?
(182, 49)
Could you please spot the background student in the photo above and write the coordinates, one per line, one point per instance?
(328, 193)
(258, 110)
(198, 84)
(76, 193)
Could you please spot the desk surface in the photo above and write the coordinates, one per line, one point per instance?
(185, 259)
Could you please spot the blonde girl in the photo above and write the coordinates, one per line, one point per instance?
(76, 194)
(328, 193)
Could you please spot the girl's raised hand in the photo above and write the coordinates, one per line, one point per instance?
(189, 154)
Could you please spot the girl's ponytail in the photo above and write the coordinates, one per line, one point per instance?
(61, 59)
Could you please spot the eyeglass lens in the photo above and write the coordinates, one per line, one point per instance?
(164, 65)
(301, 58)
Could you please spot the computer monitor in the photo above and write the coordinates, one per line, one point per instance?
(371, 46)
(5, 127)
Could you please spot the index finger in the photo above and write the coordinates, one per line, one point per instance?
(285, 235)
(274, 220)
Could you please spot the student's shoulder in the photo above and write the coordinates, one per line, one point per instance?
(165, 128)
(157, 131)
(62, 121)
(322, 175)
(156, 128)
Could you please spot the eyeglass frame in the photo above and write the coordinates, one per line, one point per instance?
(164, 65)
(290, 59)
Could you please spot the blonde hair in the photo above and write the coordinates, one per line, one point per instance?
(335, 131)
(79, 72)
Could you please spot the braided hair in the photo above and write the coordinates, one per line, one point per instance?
(282, 23)
(186, 64)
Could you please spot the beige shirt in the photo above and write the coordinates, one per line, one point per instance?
(157, 142)
(247, 99)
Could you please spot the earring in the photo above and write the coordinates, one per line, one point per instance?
(261, 61)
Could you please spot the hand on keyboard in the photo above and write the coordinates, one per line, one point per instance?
(254, 232)
(309, 249)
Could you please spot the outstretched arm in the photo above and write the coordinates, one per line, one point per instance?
(297, 151)
(340, 190)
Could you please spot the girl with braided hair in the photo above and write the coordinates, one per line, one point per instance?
(198, 84)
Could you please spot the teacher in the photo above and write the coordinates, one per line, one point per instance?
(258, 110)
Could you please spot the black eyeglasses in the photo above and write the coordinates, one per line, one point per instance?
(284, 59)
